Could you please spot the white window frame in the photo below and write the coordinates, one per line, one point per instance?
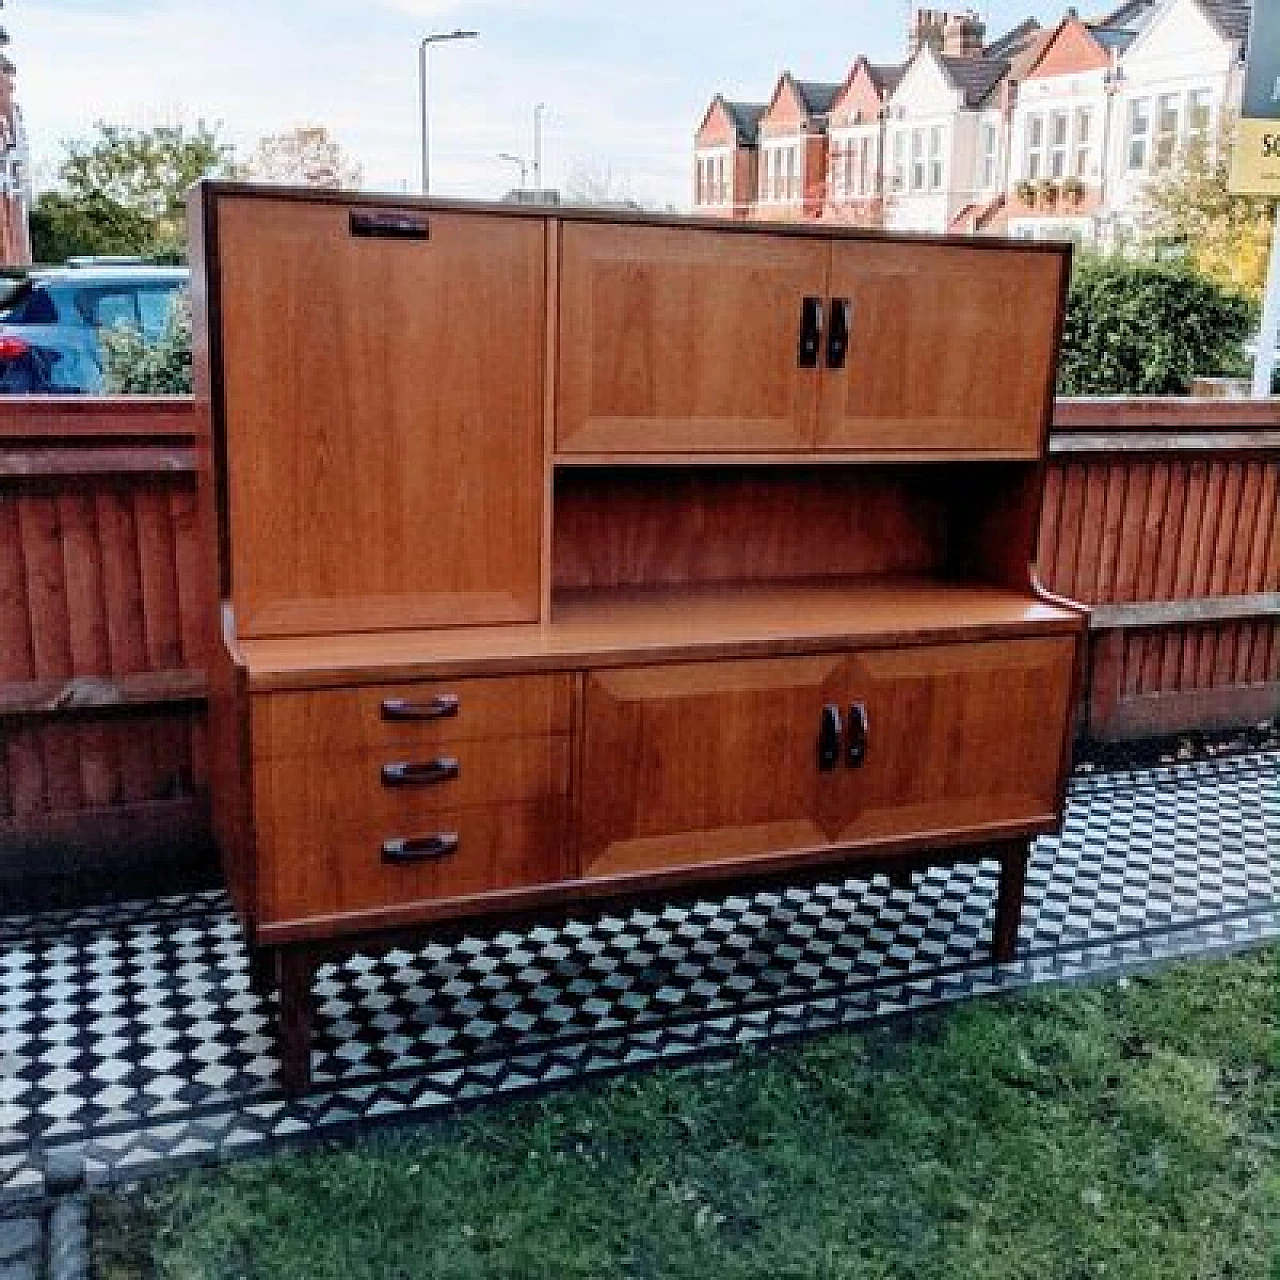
(1082, 154)
(937, 166)
(1199, 98)
(1059, 145)
(898, 181)
(917, 160)
(1137, 141)
(1033, 147)
(990, 154)
(1162, 138)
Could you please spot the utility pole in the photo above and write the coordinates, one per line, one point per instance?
(436, 37)
(537, 145)
(516, 160)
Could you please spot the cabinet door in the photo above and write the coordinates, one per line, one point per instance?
(949, 348)
(700, 762)
(383, 417)
(958, 737)
(681, 340)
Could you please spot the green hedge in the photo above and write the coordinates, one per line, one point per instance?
(1148, 328)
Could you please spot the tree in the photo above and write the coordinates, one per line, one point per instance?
(593, 183)
(125, 191)
(132, 365)
(306, 156)
(1226, 236)
(1148, 328)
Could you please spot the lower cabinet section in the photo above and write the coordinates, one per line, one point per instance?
(695, 763)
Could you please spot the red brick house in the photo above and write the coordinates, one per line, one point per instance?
(855, 145)
(725, 149)
(792, 164)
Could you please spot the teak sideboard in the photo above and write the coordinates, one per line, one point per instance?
(569, 558)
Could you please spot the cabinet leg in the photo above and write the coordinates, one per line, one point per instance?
(261, 971)
(295, 970)
(1013, 877)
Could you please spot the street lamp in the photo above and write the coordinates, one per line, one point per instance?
(537, 145)
(436, 37)
(516, 160)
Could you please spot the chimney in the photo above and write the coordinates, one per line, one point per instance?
(962, 35)
(927, 26)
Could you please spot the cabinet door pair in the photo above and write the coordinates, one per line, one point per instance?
(680, 340)
(720, 761)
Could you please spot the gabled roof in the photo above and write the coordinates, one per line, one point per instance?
(885, 75)
(746, 119)
(1231, 17)
(817, 95)
(975, 78)
(1012, 41)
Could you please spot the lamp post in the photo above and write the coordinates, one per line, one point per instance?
(537, 147)
(436, 37)
(516, 160)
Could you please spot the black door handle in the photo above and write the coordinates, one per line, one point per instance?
(856, 752)
(810, 332)
(829, 738)
(838, 332)
(423, 773)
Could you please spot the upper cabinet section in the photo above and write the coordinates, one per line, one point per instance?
(688, 341)
(382, 389)
(679, 340)
(946, 348)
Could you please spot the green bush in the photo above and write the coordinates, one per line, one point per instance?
(132, 365)
(1148, 328)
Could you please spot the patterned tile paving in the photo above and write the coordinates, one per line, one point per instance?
(130, 1036)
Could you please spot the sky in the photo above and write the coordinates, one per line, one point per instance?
(625, 84)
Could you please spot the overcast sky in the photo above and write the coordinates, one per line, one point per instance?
(624, 83)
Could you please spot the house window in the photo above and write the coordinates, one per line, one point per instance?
(1033, 165)
(1057, 144)
(990, 154)
(724, 181)
(793, 179)
(1166, 144)
(868, 167)
(917, 159)
(1139, 132)
(935, 158)
(1084, 143)
(1199, 115)
(899, 160)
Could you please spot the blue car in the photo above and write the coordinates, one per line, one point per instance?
(51, 321)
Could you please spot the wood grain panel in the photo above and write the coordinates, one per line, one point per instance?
(383, 419)
(679, 341)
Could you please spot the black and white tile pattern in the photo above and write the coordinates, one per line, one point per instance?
(129, 1034)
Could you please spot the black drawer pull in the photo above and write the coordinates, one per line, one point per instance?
(829, 737)
(838, 332)
(420, 773)
(859, 726)
(389, 226)
(440, 707)
(420, 848)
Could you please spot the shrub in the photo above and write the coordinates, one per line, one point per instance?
(1148, 328)
(132, 365)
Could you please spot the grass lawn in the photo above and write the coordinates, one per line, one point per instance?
(1130, 1129)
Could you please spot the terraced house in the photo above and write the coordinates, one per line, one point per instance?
(1043, 132)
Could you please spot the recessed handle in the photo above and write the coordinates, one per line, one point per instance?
(440, 707)
(810, 332)
(859, 726)
(420, 848)
(380, 225)
(420, 773)
(829, 737)
(838, 332)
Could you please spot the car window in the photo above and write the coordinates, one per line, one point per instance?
(153, 308)
(32, 307)
(110, 310)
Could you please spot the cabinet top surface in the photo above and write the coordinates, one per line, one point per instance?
(659, 624)
(213, 189)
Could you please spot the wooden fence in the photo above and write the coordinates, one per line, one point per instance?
(1163, 514)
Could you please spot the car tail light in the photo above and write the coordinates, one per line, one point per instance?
(11, 347)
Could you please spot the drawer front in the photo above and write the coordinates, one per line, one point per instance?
(328, 722)
(464, 819)
(343, 869)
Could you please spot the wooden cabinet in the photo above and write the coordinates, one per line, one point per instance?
(719, 761)
(681, 341)
(564, 558)
(948, 348)
(367, 439)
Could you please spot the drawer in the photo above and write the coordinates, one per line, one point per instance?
(311, 872)
(329, 722)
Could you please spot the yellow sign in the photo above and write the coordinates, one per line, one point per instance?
(1255, 162)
